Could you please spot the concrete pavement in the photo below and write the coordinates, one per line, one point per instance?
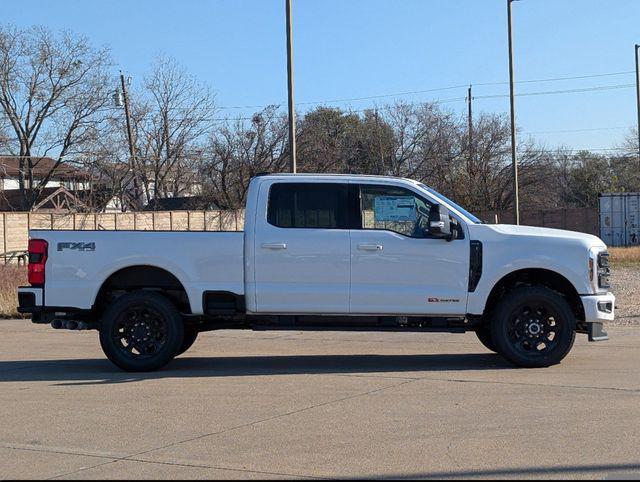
(320, 405)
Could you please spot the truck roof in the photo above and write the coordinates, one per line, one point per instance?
(354, 177)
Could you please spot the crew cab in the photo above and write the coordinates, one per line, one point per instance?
(320, 252)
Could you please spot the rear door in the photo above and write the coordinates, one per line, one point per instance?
(302, 249)
(395, 267)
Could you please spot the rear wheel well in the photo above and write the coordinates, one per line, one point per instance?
(135, 278)
(536, 277)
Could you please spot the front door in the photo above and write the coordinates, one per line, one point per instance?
(395, 267)
(302, 250)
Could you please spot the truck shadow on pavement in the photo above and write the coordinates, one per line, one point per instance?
(616, 472)
(93, 371)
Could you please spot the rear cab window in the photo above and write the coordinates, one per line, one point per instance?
(308, 205)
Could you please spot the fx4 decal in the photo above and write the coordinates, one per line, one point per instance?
(77, 246)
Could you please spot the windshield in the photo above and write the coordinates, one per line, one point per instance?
(456, 206)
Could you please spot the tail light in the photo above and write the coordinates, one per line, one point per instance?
(38, 249)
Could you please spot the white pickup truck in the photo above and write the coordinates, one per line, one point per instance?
(325, 252)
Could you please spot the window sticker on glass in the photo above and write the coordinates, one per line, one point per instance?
(395, 208)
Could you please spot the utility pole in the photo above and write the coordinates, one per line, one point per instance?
(132, 148)
(638, 92)
(471, 150)
(292, 106)
(470, 116)
(514, 145)
(381, 170)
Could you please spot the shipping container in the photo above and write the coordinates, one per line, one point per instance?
(620, 219)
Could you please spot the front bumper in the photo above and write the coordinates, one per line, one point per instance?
(597, 310)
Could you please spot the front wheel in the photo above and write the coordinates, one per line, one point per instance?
(141, 332)
(533, 327)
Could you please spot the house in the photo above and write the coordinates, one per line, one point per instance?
(70, 189)
(64, 175)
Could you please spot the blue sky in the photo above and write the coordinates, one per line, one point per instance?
(360, 48)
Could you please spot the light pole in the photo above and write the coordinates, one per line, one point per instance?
(292, 106)
(514, 146)
(638, 92)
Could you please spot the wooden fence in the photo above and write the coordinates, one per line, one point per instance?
(14, 227)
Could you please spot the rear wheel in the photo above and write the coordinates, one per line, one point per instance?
(533, 327)
(484, 335)
(141, 332)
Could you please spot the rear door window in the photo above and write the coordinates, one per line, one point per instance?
(308, 206)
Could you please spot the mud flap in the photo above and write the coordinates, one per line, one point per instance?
(596, 332)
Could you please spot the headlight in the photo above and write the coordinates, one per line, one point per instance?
(599, 270)
(604, 270)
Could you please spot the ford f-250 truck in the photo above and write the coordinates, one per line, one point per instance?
(325, 252)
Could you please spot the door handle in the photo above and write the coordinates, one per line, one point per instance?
(370, 247)
(274, 246)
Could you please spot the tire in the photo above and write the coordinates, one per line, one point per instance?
(141, 332)
(190, 337)
(484, 335)
(533, 327)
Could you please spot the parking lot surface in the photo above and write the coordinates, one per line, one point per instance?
(319, 405)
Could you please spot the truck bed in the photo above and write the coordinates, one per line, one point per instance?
(80, 261)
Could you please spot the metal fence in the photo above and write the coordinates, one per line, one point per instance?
(584, 220)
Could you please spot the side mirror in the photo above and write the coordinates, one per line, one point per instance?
(440, 225)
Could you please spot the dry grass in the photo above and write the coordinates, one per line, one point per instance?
(10, 278)
(625, 256)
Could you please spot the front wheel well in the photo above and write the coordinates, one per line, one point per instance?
(143, 277)
(536, 277)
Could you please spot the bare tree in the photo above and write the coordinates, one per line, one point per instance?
(241, 150)
(171, 119)
(53, 92)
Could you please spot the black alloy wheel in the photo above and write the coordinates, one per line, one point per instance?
(534, 327)
(141, 331)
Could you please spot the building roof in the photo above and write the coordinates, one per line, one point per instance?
(10, 168)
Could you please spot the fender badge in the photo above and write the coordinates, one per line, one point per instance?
(77, 246)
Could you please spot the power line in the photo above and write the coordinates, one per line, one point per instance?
(595, 129)
(382, 96)
(552, 150)
(555, 79)
(481, 97)
(450, 100)
(553, 92)
(440, 89)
